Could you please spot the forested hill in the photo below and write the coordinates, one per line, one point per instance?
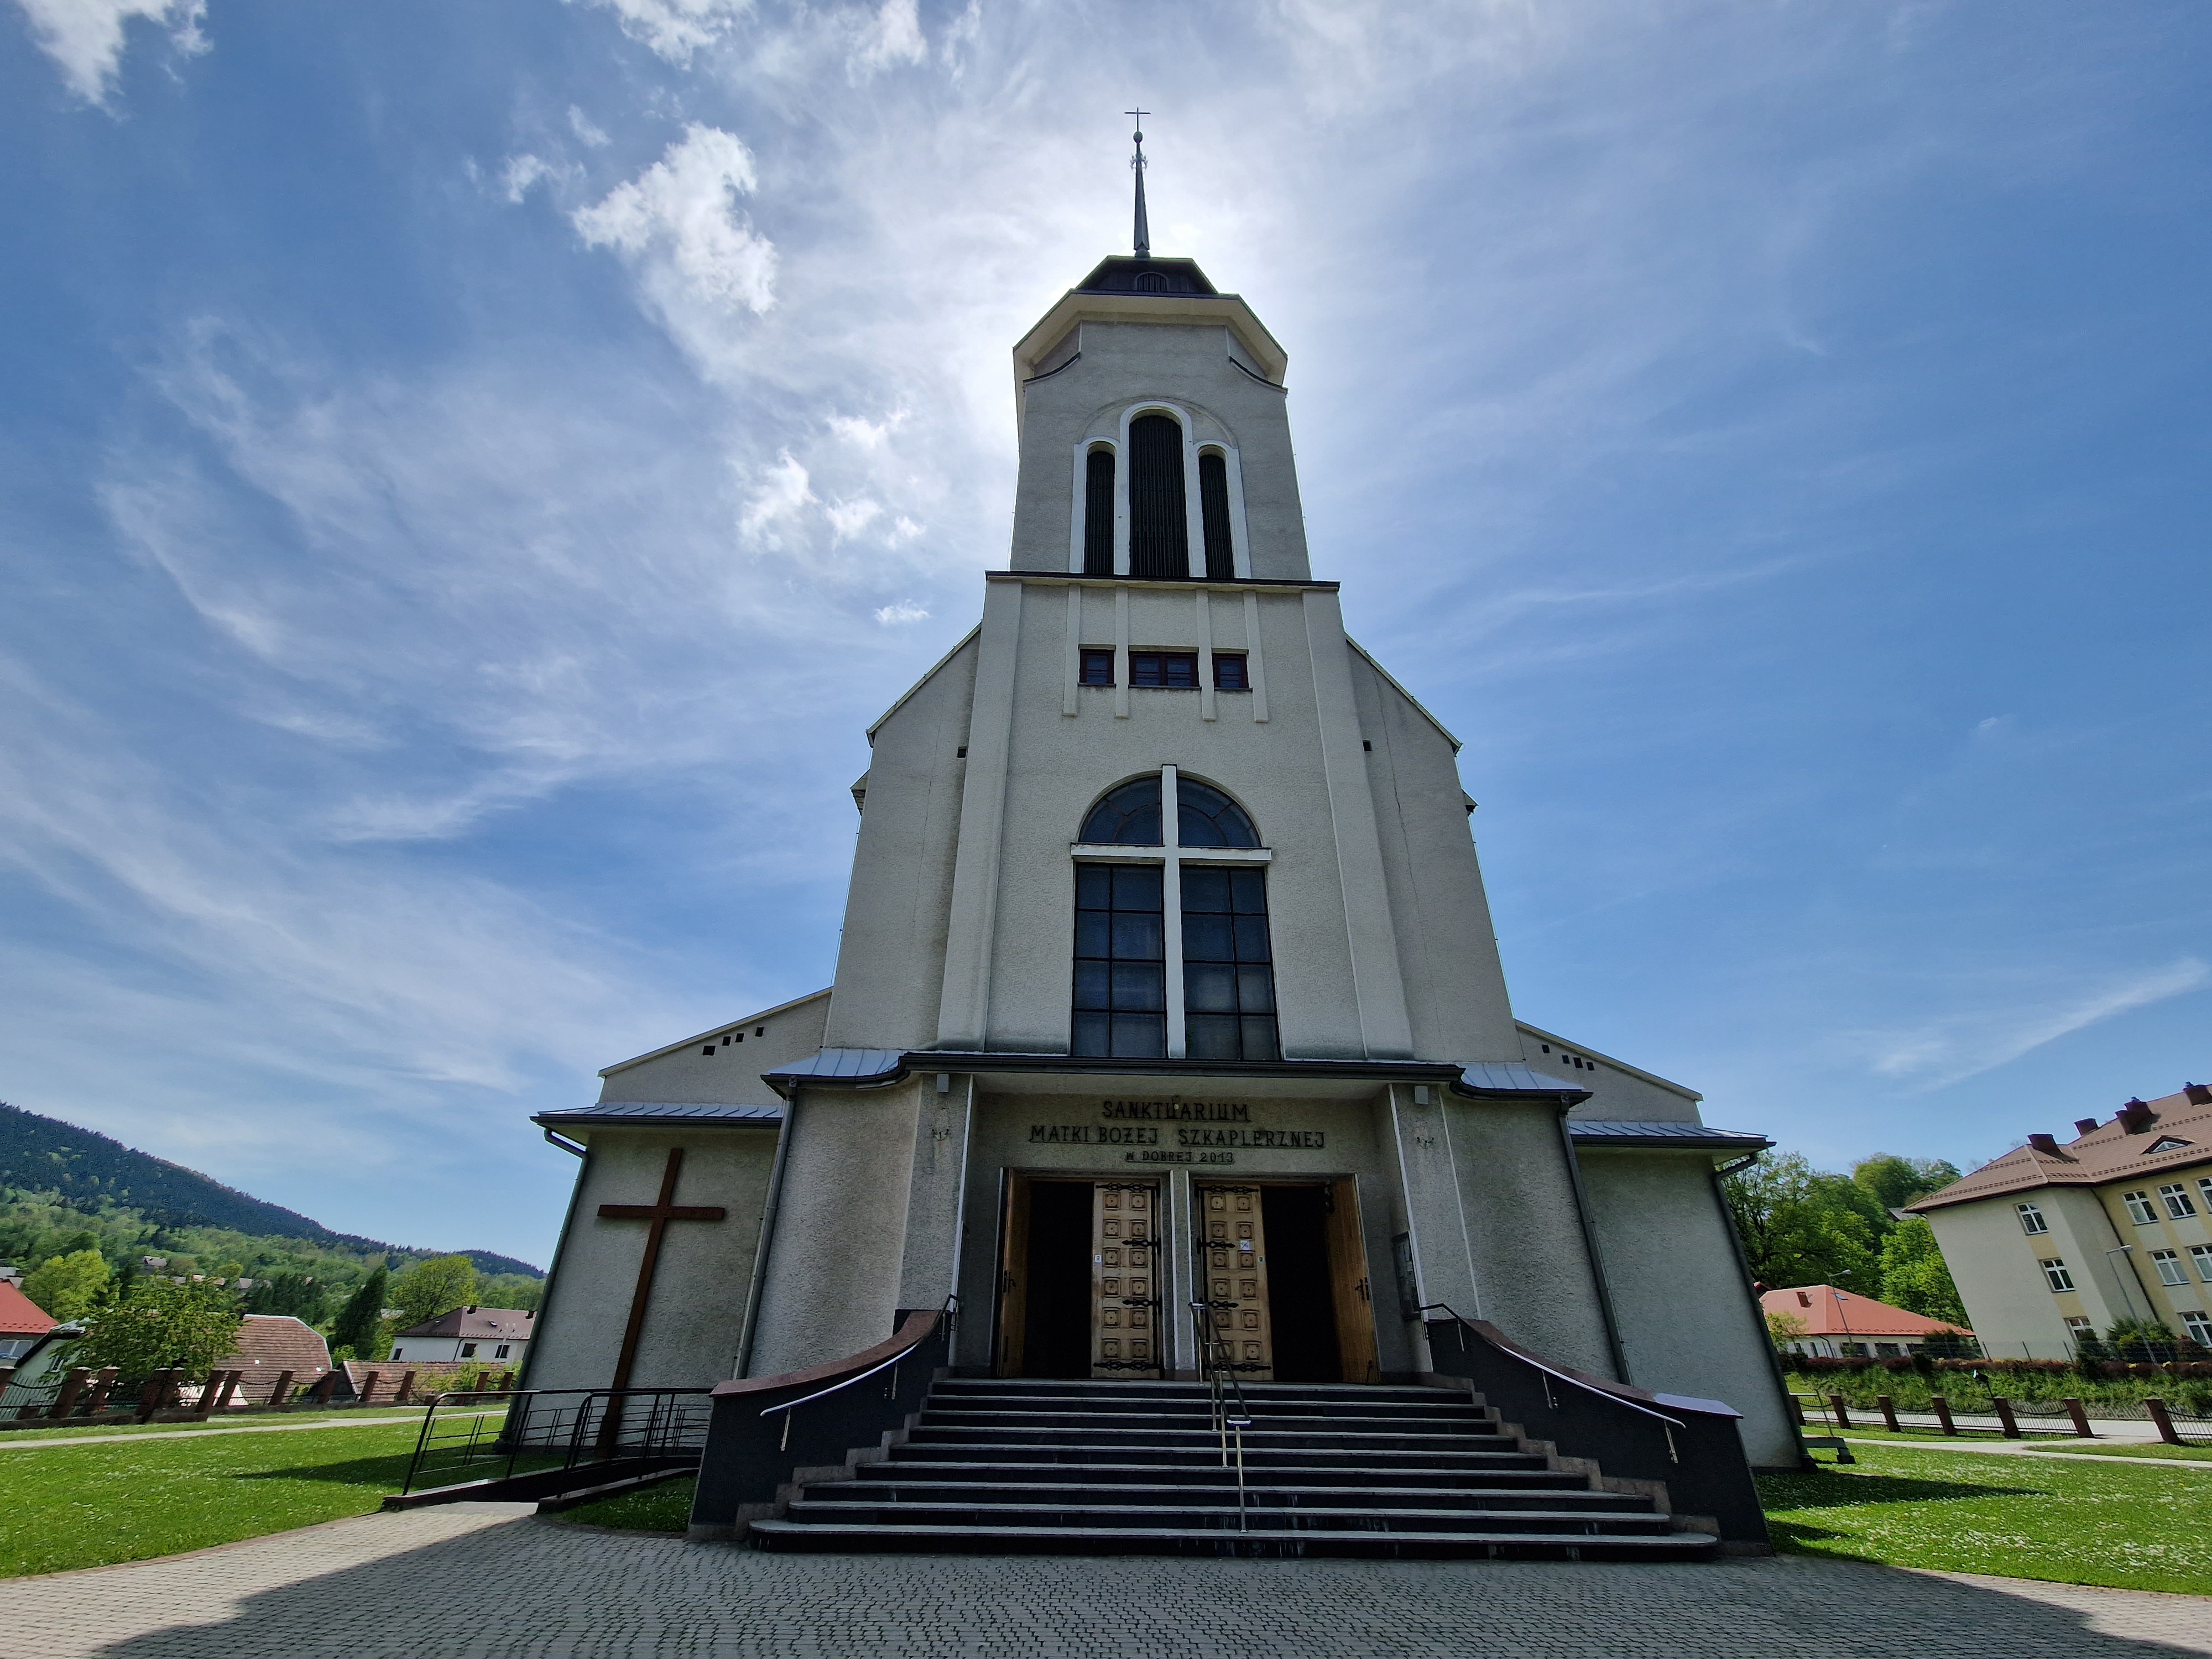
(85, 1170)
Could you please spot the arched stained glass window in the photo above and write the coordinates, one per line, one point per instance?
(1098, 514)
(1206, 817)
(1213, 514)
(1130, 817)
(1159, 526)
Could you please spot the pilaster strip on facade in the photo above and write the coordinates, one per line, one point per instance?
(964, 1014)
(1384, 1027)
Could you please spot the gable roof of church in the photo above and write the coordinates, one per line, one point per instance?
(2121, 1150)
(712, 1032)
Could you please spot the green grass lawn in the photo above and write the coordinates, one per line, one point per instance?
(86, 1506)
(664, 1508)
(2029, 1518)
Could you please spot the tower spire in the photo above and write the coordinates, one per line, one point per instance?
(1144, 236)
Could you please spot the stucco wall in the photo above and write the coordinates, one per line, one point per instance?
(891, 957)
(1688, 1321)
(1447, 950)
(832, 1283)
(1532, 1267)
(1189, 365)
(1996, 1267)
(693, 1319)
(731, 1075)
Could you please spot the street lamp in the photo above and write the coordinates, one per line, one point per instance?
(1840, 1300)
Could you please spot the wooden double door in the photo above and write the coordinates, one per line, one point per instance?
(1086, 1286)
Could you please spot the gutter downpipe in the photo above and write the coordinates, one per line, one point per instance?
(768, 1214)
(1590, 1248)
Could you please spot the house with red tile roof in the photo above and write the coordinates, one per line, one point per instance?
(488, 1336)
(2059, 1239)
(1840, 1325)
(23, 1323)
(270, 1344)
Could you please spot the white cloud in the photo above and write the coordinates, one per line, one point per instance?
(585, 129)
(866, 434)
(86, 38)
(892, 615)
(848, 519)
(677, 28)
(522, 172)
(682, 210)
(892, 36)
(904, 530)
(782, 495)
(1963, 1045)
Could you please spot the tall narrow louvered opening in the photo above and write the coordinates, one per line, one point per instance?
(1159, 528)
(1098, 514)
(1213, 512)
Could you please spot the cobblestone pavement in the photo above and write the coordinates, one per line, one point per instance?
(484, 1581)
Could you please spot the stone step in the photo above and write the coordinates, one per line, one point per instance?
(1348, 1393)
(1148, 1449)
(1256, 1438)
(1524, 1474)
(1283, 1415)
(813, 1511)
(1274, 1495)
(1135, 1540)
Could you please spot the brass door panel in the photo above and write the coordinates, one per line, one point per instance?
(1234, 1236)
(1125, 1279)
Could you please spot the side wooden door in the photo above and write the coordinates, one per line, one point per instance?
(1125, 1304)
(1351, 1286)
(1236, 1240)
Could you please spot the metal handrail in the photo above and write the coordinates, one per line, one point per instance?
(950, 1310)
(1217, 1369)
(514, 1431)
(1535, 1363)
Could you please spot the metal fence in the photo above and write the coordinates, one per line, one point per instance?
(495, 1435)
(2006, 1417)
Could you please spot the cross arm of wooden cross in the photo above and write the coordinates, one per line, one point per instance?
(655, 1213)
(659, 1214)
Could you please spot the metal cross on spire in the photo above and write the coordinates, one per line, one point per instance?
(1144, 237)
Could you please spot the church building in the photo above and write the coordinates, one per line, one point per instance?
(1167, 977)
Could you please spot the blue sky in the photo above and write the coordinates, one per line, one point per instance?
(469, 474)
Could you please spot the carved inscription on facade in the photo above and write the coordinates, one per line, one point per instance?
(1206, 1131)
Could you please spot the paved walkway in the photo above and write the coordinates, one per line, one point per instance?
(2021, 1449)
(490, 1581)
(411, 1418)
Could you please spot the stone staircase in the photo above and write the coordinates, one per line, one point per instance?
(1010, 1466)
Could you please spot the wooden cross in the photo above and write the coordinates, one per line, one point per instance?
(660, 1214)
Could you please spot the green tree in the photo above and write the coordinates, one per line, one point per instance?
(160, 1326)
(1784, 1328)
(297, 1294)
(431, 1288)
(1801, 1227)
(1896, 1182)
(1914, 1276)
(360, 1322)
(509, 1290)
(70, 1286)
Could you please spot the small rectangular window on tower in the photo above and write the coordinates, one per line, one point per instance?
(1230, 672)
(1175, 670)
(1098, 667)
